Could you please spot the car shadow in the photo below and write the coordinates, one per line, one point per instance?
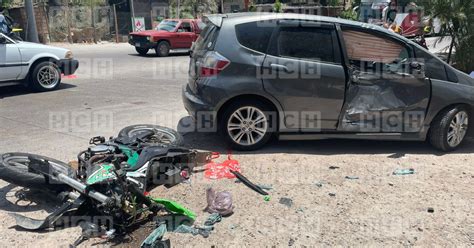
(17, 90)
(395, 149)
(151, 54)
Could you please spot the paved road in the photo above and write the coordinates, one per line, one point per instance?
(114, 88)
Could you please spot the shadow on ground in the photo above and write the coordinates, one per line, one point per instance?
(152, 54)
(18, 90)
(33, 200)
(212, 141)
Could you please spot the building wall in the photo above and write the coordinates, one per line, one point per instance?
(19, 18)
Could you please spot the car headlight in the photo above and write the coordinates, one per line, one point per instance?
(69, 55)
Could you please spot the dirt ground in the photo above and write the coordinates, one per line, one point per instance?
(327, 209)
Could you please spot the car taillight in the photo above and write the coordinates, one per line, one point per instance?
(212, 64)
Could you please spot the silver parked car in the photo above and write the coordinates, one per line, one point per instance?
(35, 65)
(312, 77)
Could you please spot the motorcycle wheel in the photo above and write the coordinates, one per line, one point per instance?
(162, 136)
(15, 169)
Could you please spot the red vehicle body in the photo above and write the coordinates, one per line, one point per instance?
(169, 35)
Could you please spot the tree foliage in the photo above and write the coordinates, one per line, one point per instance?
(277, 6)
(457, 21)
(193, 8)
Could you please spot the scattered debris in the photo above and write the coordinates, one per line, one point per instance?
(318, 184)
(390, 183)
(430, 210)
(332, 194)
(286, 201)
(397, 155)
(204, 230)
(249, 184)
(332, 167)
(154, 239)
(352, 177)
(220, 202)
(175, 207)
(265, 186)
(291, 242)
(215, 170)
(266, 198)
(400, 172)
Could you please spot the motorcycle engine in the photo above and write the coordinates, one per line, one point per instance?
(99, 150)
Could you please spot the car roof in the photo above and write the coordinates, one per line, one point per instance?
(262, 16)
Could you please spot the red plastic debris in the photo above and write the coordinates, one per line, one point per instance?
(69, 76)
(221, 170)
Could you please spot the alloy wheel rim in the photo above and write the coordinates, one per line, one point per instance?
(163, 49)
(48, 77)
(247, 126)
(457, 128)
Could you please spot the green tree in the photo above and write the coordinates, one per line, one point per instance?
(277, 6)
(457, 21)
(193, 8)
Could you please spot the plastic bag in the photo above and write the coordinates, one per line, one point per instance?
(216, 170)
(219, 202)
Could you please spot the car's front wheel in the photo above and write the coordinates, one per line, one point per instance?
(46, 76)
(141, 51)
(450, 128)
(162, 49)
(247, 125)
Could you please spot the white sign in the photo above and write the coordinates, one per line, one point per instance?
(138, 24)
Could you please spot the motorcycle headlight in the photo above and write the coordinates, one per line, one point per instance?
(69, 55)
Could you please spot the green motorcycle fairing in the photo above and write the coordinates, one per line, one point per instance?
(102, 173)
(131, 155)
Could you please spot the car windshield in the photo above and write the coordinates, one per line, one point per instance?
(167, 25)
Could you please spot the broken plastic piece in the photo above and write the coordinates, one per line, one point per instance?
(352, 177)
(175, 207)
(404, 171)
(220, 202)
(249, 184)
(222, 170)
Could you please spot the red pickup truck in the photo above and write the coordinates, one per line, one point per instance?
(170, 35)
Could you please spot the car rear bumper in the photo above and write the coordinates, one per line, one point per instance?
(68, 66)
(201, 112)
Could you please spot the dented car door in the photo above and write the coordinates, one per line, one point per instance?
(387, 90)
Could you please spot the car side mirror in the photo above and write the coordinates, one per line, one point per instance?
(180, 30)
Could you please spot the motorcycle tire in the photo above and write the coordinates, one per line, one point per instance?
(163, 136)
(15, 169)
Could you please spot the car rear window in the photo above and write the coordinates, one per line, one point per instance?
(254, 35)
(207, 38)
(306, 43)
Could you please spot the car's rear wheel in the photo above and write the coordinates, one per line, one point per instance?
(46, 76)
(162, 49)
(247, 125)
(449, 129)
(142, 51)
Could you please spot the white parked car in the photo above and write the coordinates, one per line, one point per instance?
(36, 65)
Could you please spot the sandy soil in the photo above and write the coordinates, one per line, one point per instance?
(376, 209)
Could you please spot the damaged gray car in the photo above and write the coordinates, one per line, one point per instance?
(301, 77)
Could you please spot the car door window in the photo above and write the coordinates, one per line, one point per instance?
(185, 27)
(434, 68)
(309, 43)
(372, 52)
(254, 35)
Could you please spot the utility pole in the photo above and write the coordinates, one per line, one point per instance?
(116, 25)
(222, 6)
(93, 22)
(32, 32)
(177, 13)
(132, 10)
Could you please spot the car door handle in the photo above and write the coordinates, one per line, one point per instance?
(278, 67)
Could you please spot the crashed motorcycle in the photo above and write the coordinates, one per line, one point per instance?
(111, 179)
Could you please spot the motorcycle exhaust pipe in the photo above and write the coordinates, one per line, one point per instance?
(82, 188)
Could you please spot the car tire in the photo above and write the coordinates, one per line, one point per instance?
(449, 128)
(45, 76)
(142, 51)
(172, 137)
(246, 133)
(162, 49)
